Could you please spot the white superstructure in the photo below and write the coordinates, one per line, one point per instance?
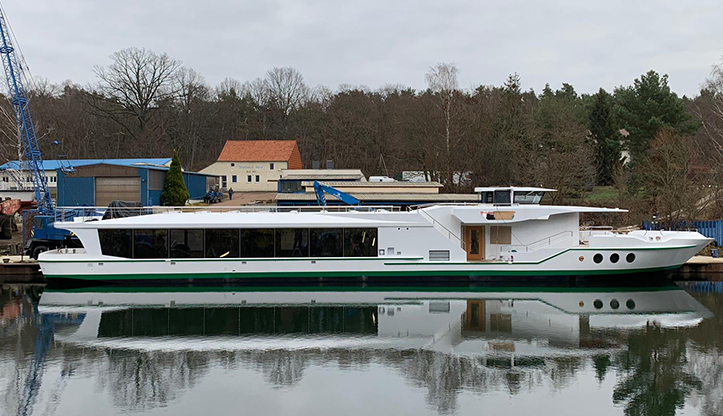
(507, 234)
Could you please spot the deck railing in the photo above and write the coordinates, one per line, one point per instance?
(543, 242)
(63, 214)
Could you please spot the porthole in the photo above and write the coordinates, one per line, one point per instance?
(597, 304)
(630, 257)
(582, 304)
(614, 258)
(630, 304)
(614, 304)
(598, 258)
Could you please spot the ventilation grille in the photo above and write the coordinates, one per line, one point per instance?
(438, 255)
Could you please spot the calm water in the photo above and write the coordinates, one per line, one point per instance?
(605, 350)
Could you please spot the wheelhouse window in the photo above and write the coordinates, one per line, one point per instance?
(116, 243)
(360, 242)
(502, 197)
(533, 197)
(257, 243)
(150, 244)
(222, 243)
(326, 242)
(186, 244)
(292, 242)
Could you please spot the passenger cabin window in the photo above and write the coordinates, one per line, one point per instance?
(257, 243)
(326, 242)
(150, 244)
(293, 242)
(239, 243)
(118, 243)
(533, 197)
(360, 242)
(186, 244)
(222, 243)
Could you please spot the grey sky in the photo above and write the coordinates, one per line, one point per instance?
(375, 42)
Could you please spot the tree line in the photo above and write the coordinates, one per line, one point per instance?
(662, 153)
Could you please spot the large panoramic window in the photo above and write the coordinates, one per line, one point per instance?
(533, 197)
(292, 242)
(186, 244)
(326, 242)
(222, 243)
(150, 244)
(257, 243)
(116, 242)
(360, 242)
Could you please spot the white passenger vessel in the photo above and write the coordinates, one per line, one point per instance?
(508, 234)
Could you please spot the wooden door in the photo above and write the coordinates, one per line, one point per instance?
(474, 239)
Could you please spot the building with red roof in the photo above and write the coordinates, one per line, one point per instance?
(253, 165)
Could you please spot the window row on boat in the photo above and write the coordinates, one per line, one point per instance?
(238, 243)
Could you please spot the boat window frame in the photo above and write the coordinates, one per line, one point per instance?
(344, 233)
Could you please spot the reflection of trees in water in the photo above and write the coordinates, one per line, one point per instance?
(140, 380)
(654, 378)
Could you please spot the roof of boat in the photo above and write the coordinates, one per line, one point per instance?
(352, 216)
(513, 188)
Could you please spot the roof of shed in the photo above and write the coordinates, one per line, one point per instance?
(58, 164)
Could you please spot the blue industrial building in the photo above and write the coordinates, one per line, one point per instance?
(133, 180)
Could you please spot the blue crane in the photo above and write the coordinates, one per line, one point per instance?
(26, 129)
(44, 234)
(320, 190)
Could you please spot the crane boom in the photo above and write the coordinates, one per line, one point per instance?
(19, 100)
(320, 190)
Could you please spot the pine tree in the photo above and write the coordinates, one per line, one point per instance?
(648, 106)
(174, 188)
(604, 135)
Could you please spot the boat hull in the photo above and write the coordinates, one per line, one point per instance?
(570, 263)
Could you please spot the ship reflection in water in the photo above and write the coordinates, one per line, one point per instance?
(361, 350)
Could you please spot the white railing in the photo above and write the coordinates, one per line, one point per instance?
(450, 234)
(97, 213)
(543, 242)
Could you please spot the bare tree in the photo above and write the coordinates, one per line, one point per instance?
(442, 80)
(133, 85)
(229, 87)
(286, 88)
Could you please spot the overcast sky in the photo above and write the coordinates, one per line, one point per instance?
(376, 42)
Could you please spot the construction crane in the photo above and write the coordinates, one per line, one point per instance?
(320, 190)
(19, 100)
(45, 236)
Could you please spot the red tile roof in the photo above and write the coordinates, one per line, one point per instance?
(262, 151)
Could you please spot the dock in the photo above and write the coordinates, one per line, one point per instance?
(23, 270)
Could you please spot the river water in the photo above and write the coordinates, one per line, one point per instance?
(653, 349)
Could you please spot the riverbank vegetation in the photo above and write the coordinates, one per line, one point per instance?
(648, 148)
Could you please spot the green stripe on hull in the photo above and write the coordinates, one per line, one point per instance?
(373, 289)
(359, 274)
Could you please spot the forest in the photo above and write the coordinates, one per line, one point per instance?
(650, 149)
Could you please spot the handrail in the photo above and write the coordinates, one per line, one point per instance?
(548, 239)
(93, 213)
(449, 232)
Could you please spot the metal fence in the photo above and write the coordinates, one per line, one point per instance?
(711, 229)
